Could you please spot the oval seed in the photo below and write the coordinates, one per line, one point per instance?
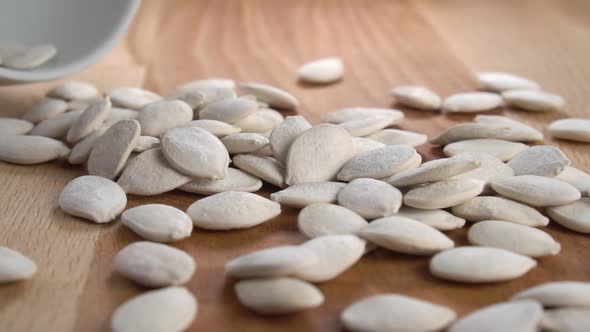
(200, 93)
(167, 309)
(263, 121)
(321, 71)
(571, 129)
(29, 150)
(232, 210)
(558, 294)
(520, 131)
(536, 190)
(369, 125)
(146, 143)
(93, 198)
(158, 222)
(196, 152)
(133, 98)
(44, 109)
(533, 100)
(396, 313)
(503, 150)
(216, 128)
(74, 90)
(467, 131)
(244, 142)
(278, 296)
(439, 219)
(15, 266)
(362, 145)
(118, 114)
(158, 117)
(417, 97)
(480, 265)
(378, 163)
(405, 235)
(575, 215)
(577, 178)
(500, 82)
(57, 126)
(235, 180)
(508, 316)
(336, 254)
(471, 102)
(328, 219)
(490, 168)
(443, 194)
(265, 168)
(154, 265)
(499, 208)
(9, 126)
(81, 151)
(150, 174)
(30, 57)
(396, 136)
(542, 160)
(270, 95)
(229, 110)
(302, 195)
(111, 150)
(271, 262)
(566, 320)
(370, 198)
(520, 239)
(318, 154)
(90, 120)
(284, 134)
(360, 113)
(436, 170)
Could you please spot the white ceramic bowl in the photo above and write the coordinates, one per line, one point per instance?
(82, 30)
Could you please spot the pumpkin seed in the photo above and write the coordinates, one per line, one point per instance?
(44, 109)
(571, 129)
(490, 168)
(443, 194)
(396, 136)
(235, 180)
(472, 102)
(118, 114)
(438, 219)
(158, 117)
(74, 90)
(57, 126)
(302, 195)
(30, 57)
(577, 178)
(133, 98)
(9, 126)
(81, 151)
(111, 150)
(508, 316)
(432, 171)
(542, 160)
(417, 97)
(158, 222)
(370, 198)
(575, 215)
(500, 82)
(566, 320)
(215, 127)
(520, 133)
(368, 125)
(146, 143)
(15, 266)
(503, 150)
(378, 163)
(267, 169)
(362, 145)
(284, 134)
(199, 94)
(229, 110)
(321, 71)
(321, 219)
(244, 142)
(29, 150)
(269, 94)
(360, 113)
(536, 190)
(533, 100)
(263, 121)
(558, 294)
(467, 131)
(271, 262)
(90, 120)
(498, 208)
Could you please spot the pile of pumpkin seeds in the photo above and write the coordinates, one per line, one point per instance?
(359, 184)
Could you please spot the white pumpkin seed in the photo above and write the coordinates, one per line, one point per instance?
(369, 125)
(417, 97)
(133, 98)
(370, 198)
(111, 150)
(490, 168)
(158, 117)
(267, 169)
(396, 313)
(405, 235)
(472, 102)
(29, 150)
(216, 128)
(321, 219)
(362, 145)
(271, 262)
(90, 120)
(57, 126)
(520, 132)
(30, 57)
(94, 198)
(302, 195)
(480, 265)
(244, 142)
(210, 82)
(158, 222)
(269, 94)
(74, 90)
(15, 266)
(284, 134)
(235, 180)
(167, 309)
(571, 129)
(533, 100)
(144, 143)
(263, 121)
(558, 294)
(566, 320)
(318, 154)
(118, 114)
(503, 150)
(523, 316)
(232, 210)
(577, 178)
(520, 239)
(433, 171)
(467, 131)
(321, 71)
(542, 160)
(154, 265)
(230, 110)
(10, 126)
(439, 219)
(196, 152)
(443, 194)
(199, 94)
(498, 208)
(278, 296)
(536, 190)
(360, 113)
(378, 163)
(81, 151)
(500, 82)
(396, 136)
(81, 104)
(575, 215)
(336, 254)
(150, 174)
(44, 109)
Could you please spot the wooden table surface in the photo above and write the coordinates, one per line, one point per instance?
(383, 44)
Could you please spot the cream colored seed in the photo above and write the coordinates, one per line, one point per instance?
(321, 71)
(467, 131)
(10, 126)
(533, 100)
(440, 195)
(74, 90)
(30, 57)
(543, 160)
(328, 219)
(29, 150)
(396, 136)
(368, 125)
(508, 316)
(57, 126)
(566, 320)
(302, 195)
(284, 134)
(417, 97)
(271, 262)
(571, 129)
(81, 151)
(499, 82)
(263, 121)
(235, 180)
(520, 133)
(271, 95)
(503, 150)
(118, 114)
(537, 190)
(360, 113)
(370, 198)
(15, 266)
(432, 171)
(558, 294)
(265, 168)
(362, 145)
(575, 215)
(229, 110)
(378, 163)
(158, 222)
(577, 178)
(498, 208)
(111, 150)
(146, 143)
(215, 127)
(44, 109)
(133, 98)
(439, 219)
(244, 142)
(471, 102)
(490, 168)
(90, 120)
(158, 117)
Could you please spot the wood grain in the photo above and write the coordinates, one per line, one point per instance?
(383, 44)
